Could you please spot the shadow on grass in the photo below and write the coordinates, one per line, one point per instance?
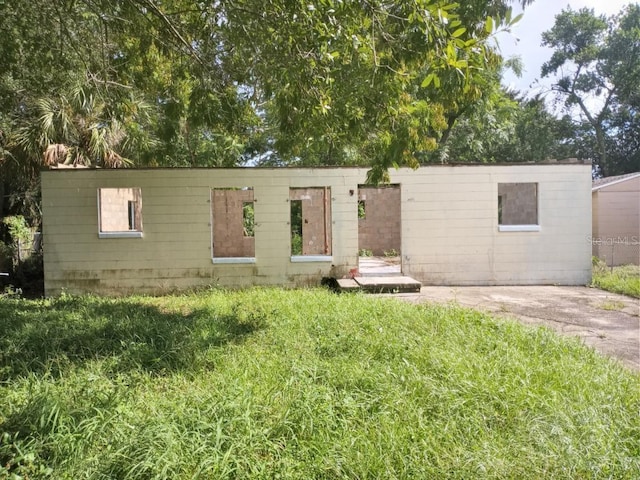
(38, 337)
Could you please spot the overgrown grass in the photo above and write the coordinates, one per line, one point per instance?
(624, 279)
(268, 383)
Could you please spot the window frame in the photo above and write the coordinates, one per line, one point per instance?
(137, 232)
(522, 227)
(314, 258)
(231, 260)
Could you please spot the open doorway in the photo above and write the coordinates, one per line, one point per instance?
(379, 230)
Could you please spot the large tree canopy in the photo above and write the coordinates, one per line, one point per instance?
(183, 83)
(597, 63)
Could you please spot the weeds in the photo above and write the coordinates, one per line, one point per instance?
(624, 279)
(268, 383)
(612, 305)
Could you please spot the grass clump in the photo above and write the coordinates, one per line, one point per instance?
(623, 279)
(268, 383)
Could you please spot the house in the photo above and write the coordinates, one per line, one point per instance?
(159, 230)
(616, 219)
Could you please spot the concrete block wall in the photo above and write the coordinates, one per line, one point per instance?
(379, 230)
(449, 228)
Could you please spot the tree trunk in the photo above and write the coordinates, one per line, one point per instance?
(602, 149)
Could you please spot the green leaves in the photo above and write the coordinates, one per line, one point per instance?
(224, 83)
(488, 25)
(599, 58)
(431, 78)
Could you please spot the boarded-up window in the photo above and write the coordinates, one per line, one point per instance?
(517, 204)
(120, 212)
(310, 221)
(232, 215)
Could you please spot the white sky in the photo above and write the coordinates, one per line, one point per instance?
(525, 39)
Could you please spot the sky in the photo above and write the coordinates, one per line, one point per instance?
(526, 37)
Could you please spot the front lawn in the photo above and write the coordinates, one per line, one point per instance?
(270, 383)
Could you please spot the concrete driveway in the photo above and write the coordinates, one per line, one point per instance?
(606, 321)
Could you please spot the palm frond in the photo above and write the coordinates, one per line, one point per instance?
(56, 153)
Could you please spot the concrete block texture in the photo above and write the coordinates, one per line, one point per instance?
(449, 232)
(379, 227)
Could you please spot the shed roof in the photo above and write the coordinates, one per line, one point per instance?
(606, 181)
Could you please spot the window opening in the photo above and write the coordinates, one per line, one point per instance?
(119, 212)
(132, 215)
(310, 221)
(296, 227)
(248, 219)
(233, 225)
(518, 207)
(362, 210)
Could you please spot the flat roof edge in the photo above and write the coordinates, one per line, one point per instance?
(326, 167)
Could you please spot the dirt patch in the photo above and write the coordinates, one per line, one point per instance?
(606, 321)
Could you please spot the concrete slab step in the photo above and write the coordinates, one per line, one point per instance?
(347, 285)
(381, 284)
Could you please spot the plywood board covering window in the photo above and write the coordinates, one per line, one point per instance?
(310, 221)
(518, 207)
(119, 212)
(232, 213)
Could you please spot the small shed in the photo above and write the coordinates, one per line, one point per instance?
(616, 219)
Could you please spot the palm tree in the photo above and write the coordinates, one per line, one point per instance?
(77, 129)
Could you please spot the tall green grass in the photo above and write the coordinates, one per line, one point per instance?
(268, 383)
(624, 279)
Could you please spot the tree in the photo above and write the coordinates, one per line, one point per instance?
(598, 62)
(510, 128)
(326, 82)
(368, 83)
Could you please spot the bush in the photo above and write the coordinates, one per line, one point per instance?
(296, 244)
(30, 275)
(26, 274)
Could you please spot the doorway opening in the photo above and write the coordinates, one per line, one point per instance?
(379, 230)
